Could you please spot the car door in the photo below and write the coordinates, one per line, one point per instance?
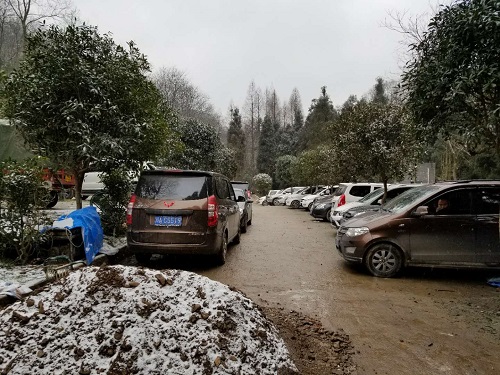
(445, 238)
(486, 204)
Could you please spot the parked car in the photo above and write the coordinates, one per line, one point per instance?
(411, 231)
(307, 201)
(370, 201)
(321, 207)
(182, 212)
(270, 195)
(245, 205)
(293, 200)
(279, 199)
(245, 186)
(92, 183)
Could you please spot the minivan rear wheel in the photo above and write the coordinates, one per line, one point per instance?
(383, 260)
(221, 255)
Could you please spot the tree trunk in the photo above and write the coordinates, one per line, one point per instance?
(78, 188)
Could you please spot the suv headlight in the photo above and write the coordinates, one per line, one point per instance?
(321, 205)
(353, 232)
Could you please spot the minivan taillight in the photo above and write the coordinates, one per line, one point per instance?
(129, 209)
(341, 200)
(213, 214)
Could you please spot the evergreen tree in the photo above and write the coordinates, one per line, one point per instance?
(236, 140)
(321, 113)
(267, 147)
(379, 95)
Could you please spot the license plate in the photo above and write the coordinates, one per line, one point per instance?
(168, 221)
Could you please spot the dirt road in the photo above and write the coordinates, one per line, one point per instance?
(424, 322)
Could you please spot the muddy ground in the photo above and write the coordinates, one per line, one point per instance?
(337, 319)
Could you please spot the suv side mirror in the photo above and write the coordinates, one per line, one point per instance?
(420, 211)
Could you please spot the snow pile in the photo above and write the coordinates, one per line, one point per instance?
(127, 320)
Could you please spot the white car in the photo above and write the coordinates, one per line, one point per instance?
(270, 195)
(280, 198)
(307, 201)
(293, 200)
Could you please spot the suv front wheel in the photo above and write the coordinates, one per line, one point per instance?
(383, 260)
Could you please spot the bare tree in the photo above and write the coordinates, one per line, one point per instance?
(185, 98)
(30, 13)
(19, 17)
(251, 121)
(411, 27)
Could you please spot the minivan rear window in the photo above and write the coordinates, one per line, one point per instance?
(157, 186)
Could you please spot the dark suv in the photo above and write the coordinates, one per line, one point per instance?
(182, 212)
(453, 224)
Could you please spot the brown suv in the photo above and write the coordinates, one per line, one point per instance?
(452, 224)
(182, 212)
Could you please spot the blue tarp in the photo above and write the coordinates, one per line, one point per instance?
(88, 219)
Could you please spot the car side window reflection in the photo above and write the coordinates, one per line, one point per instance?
(487, 201)
(230, 190)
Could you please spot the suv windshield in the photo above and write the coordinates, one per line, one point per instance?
(405, 200)
(240, 185)
(158, 186)
(372, 195)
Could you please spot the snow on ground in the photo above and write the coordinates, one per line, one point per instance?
(118, 320)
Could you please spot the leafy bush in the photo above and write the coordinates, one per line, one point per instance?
(113, 201)
(22, 193)
(262, 183)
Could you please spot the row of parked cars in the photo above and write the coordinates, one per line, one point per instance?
(447, 224)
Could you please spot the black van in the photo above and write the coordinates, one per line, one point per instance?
(182, 212)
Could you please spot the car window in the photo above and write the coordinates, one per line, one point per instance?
(237, 185)
(340, 190)
(457, 202)
(239, 193)
(373, 195)
(360, 190)
(487, 201)
(171, 187)
(222, 188)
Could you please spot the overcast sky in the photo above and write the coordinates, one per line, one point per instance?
(222, 45)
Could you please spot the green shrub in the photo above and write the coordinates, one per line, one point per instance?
(262, 182)
(22, 194)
